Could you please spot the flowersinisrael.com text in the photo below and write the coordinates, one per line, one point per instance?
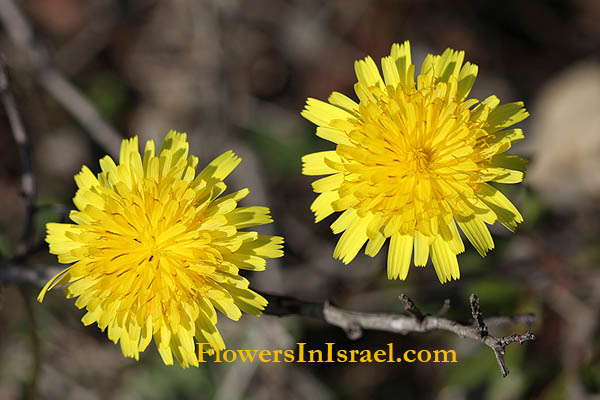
(328, 354)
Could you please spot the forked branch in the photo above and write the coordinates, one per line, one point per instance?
(354, 322)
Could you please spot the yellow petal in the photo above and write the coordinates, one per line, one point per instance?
(401, 56)
(367, 73)
(244, 217)
(314, 163)
(477, 233)
(322, 205)
(421, 249)
(343, 101)
(56, 279)
(506, 212)
(390, 71)
(466, 79)
(399, 256)
(220, 167)
(322, 114)
(128, 146)
(444, 261)
(506, 115)
(352, 240)
(375, 244)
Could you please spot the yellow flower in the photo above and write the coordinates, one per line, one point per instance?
(412, 160)
(156, 250)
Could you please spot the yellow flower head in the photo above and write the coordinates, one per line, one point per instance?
(412, 160)
(155, 249)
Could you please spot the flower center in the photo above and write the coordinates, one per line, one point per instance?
(419, 160)
(151, 246)
(154, 228)
(408, 151)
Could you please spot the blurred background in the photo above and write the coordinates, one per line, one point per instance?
(235, 75)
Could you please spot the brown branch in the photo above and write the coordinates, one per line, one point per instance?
(28, 187)
(352, 322)
(64, 92)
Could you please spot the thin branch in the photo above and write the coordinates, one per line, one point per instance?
(444, 309)
(478, 316)
(28, 186)
(21, 33)
(411, 307)
(352, 322)
(35, 274)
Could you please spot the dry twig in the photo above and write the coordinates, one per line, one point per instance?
(354, 322)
